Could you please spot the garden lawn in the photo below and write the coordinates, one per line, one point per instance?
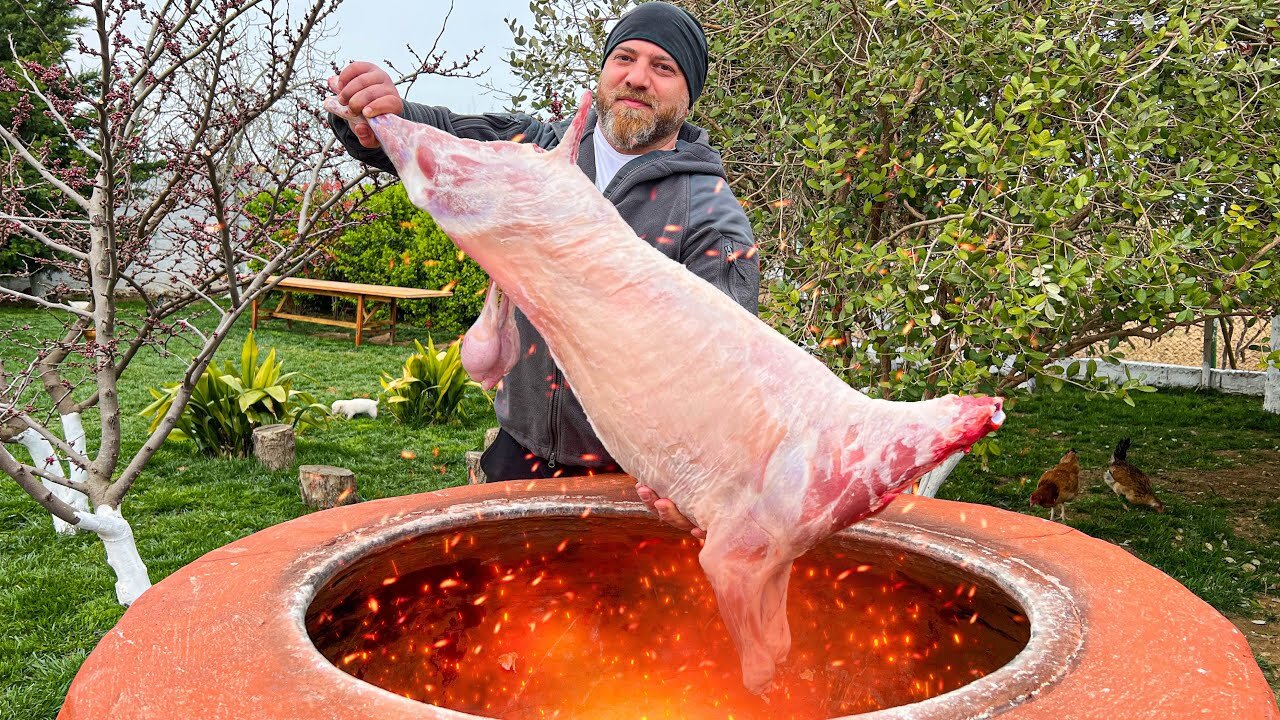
(1215, 460)
(56, 593)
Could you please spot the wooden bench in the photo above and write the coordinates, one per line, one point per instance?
(362, 294)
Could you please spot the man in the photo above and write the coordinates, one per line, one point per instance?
(658, 170)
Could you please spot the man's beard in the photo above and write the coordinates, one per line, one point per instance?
(629, 129)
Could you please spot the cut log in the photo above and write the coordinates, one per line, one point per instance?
(325, 486)
(475, 475)
(273, 446)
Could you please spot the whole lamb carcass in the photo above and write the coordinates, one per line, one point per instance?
(754, 439)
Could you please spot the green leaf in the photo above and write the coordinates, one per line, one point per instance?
(248, 399)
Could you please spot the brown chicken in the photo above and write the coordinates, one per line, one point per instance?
(1059, 485)
(1128, 481)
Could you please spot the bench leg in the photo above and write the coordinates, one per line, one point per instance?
(286, 303)
(393, 321)
(359, 320)
(253, 318)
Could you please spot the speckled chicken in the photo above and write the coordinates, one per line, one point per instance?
(1128, 481)
(1059, 485)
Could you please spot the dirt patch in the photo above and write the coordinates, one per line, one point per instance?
(1186, 347)
(381, 339)
(1251, 486)
(1264, 638)
(1255, 479)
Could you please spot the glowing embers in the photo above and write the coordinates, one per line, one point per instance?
(613, 618)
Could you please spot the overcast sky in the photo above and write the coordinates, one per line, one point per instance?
(376, 30)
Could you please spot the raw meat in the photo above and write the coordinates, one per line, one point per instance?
(492, 346)
(754, 439)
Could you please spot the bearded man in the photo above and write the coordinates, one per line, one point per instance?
(658, 170)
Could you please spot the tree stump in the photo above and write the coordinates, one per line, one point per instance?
(273, 446)
(475, 475)
(325, 486)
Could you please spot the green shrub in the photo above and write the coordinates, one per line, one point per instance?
(431, 386)
(402, 246)
(228, 403)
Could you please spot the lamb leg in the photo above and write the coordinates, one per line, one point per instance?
(749, 572)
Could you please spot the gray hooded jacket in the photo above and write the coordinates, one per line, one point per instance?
(676, 200)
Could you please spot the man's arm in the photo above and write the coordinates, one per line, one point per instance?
(369, 91)
(667, 512)
(720, 247)
(485, 128)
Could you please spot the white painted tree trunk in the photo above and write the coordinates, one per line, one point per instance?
(1209, 352)
(44, 458)
(1271, 396)
(73, 433)
(122, 552)
(932, 480)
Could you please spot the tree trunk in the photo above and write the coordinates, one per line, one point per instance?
(122, 552)
(932, 480)
(273, 446)
(73, 433)
(1209, 353)
(44, 458)
(325, 486)
(1271, 397)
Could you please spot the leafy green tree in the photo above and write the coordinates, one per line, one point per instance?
(40, 31)
(402, 246)
(956, 196)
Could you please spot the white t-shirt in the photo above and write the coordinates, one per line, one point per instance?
(608, 160)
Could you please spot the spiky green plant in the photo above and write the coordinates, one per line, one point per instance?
(227, 403)
(430, 387)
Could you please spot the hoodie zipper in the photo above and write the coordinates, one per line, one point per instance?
(555, 419)
(728, 271)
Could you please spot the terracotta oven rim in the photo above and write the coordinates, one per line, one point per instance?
(224, 637)
(1056, 630)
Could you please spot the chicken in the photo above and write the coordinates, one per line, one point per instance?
(1059, 485)
(1128, 481)
(757, 442)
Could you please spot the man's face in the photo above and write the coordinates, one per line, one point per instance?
(643, 98)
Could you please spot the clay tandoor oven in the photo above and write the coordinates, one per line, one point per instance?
(566, 599)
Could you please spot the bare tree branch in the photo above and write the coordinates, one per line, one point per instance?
(25, 297)
(35, 489)
(40, 167)
(52, 108)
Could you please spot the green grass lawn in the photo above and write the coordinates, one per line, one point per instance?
(1210, 455)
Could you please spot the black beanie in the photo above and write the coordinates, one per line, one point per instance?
(671, 28)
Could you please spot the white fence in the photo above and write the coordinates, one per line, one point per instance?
(1265, 384)
(1161, 375)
